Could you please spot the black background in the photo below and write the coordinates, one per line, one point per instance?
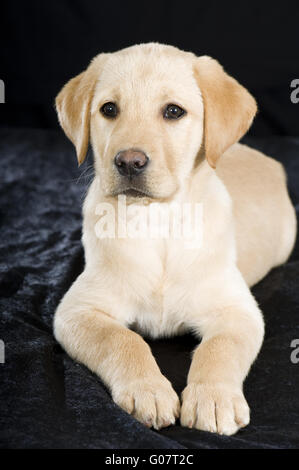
(45, 43)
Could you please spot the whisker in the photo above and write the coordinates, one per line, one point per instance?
(83, 174)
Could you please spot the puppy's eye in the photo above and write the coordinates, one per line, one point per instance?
(173, 111)
(109, 110)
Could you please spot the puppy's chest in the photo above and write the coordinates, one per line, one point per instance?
(156, 319)
(159, 290)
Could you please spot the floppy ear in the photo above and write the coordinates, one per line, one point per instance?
(228, 108)
(73, 106)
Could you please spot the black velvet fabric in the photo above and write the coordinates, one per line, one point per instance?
(49, 401)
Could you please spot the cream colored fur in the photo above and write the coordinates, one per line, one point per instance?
(157, 286)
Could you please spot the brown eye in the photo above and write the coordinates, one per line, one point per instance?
(173, 111)
(109, 110)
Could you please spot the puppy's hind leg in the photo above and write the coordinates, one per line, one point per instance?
(118, 355)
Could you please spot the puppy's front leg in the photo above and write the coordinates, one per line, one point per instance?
(213, 399)
(119, 356)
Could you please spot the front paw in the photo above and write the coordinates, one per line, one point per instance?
(219, 408)
(151, 401)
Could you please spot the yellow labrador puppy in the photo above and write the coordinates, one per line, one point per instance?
(164, 126)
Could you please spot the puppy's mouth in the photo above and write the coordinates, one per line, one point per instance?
(133, 192)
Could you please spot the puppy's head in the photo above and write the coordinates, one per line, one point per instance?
(148, 111)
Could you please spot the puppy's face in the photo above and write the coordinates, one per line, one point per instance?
(148, 110)
(146, 123)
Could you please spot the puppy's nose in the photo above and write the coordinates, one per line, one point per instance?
(131, 162)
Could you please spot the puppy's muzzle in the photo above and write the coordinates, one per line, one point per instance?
(131, 163)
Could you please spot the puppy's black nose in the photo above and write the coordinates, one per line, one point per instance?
(131, 162)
